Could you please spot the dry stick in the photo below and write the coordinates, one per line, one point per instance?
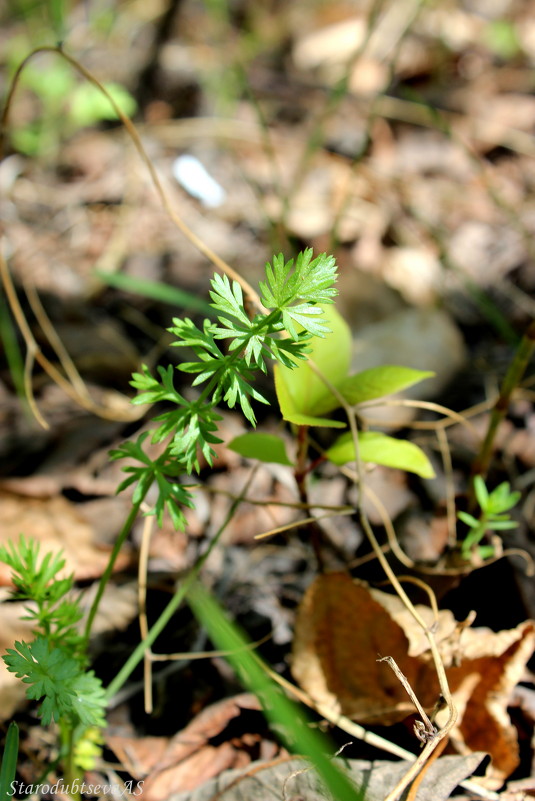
(298, 523)
(51, 334)
(369, 737)
(455, 417)
(437, 660)
(429, 592)
(411, 795)
(450, 488)
(31, 345)
(426, 731)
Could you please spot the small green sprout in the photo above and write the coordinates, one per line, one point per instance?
(493, 517)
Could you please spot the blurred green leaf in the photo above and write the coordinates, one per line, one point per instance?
(501, 37)
(88, 105)
(265, 447)
(379, 381)
(300, 392)
(381, 449)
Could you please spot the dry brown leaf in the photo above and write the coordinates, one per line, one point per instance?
(290, 780)
(192, 756)
(56, 524)
(342, 628)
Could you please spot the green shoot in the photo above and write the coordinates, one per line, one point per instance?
(53, 665)
(493, 516)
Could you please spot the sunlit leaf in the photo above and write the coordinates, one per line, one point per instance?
(265, 447)
(300, 391)
(379, 381)
(381, 449)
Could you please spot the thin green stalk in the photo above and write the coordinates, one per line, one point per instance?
(111, 562)
(181, 591)
(71, 775)
(9, 762)
(512, 379)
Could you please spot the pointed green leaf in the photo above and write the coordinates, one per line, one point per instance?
(300, 391)
(381, 449)
(265, 447)
(379, 381)
(481, 491)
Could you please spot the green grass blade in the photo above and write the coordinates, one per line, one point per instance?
(156, 290)
(9, 762)
(285, 716)
(14, 358)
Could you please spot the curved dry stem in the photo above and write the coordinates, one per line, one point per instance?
(453, 417)
(298, 523)
(50, 332)
(34, 354)
(427, 589)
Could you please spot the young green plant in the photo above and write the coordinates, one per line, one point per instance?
(493, 516)
(54, 664)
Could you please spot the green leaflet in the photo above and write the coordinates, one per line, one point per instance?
(265, 447)
(382, 449)
(380, 381)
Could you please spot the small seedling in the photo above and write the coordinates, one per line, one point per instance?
(493, 516)
(54, 663)
(65, 105)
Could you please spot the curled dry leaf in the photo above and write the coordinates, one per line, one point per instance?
(57, 525)
(342, 628)
(202, 750)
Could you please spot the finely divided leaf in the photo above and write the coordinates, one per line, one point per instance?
(228, 299)
(310, 280)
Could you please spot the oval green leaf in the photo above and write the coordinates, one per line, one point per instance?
(300, 391)
(379, 381)
(264, 447)
(381, 449)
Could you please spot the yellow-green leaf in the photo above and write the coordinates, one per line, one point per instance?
(381, 449)
(300, 392)
(379, 381)
(265, 447)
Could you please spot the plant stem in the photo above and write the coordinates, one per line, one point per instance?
(513, 377)
(181, 591)
(71, 776)
(300, 474)
(134, 511)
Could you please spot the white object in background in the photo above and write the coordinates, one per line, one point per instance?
(193, 177)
